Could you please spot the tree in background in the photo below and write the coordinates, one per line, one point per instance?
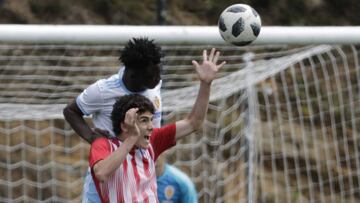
(185, 12)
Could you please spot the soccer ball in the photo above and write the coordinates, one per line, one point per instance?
(239, 24)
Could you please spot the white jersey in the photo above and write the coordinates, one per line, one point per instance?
(98, 100)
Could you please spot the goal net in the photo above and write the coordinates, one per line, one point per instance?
(282, 125)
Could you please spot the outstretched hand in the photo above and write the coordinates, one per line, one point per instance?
(130, 123)
(208, 68)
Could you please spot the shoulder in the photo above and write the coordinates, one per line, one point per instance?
(111, 82)
(100, 141)
(158, 86)
(167, 129)
(93, 91)
(177, 172)
(181, 177)
(154, 92)
(103, 145)
(166, 132)
(105, 89)
(184, 183)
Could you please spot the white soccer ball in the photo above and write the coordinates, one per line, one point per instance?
(239, 24)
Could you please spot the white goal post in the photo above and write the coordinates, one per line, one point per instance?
(96, 34)
(283, 123)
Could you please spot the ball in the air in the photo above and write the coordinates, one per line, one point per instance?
(239, 24)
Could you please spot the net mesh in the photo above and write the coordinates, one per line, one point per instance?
(282, 124)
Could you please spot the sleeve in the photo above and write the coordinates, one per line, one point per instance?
(100, 149)
(90, 100)
(163, 139)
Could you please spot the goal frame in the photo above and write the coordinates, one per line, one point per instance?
(107, 34)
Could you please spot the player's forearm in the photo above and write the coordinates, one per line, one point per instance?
(74, 117)
(196, 118)
(200, 107)
(82, 129)
(105, 168)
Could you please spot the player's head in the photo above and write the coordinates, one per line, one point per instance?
(145, 116)
(142, 60)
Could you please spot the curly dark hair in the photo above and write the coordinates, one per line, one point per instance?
(141, 52)
(124, 103)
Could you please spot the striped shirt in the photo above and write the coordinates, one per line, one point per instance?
(134, 180)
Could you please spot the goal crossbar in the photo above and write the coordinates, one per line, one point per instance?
(106, 34)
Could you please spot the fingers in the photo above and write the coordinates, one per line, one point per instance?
(217, 54)
(220, 65)
(204, 55)
(130, 121)
(211, 56)
(133, 112)
(131, 115)
(195, 63)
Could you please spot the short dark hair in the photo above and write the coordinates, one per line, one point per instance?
(124, 103)
(141, 52)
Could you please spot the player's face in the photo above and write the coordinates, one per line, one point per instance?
(145, 123)
(152, 75)
(144, 78)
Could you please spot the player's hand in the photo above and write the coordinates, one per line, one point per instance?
(208, 68)
(130, 123)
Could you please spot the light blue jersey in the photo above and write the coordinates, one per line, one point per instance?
(97, 100)
(174, 186)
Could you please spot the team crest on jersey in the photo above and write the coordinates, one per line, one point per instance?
(169, 191)
(157, 102)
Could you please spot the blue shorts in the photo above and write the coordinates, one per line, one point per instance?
(90, 195)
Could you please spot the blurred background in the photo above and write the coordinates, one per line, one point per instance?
(174, 12)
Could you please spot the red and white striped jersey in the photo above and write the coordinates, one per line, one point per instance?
(135, 179)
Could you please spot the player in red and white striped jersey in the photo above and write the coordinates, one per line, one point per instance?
(123, 167)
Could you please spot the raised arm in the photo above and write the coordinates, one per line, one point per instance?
(74, 117)
(206, 71)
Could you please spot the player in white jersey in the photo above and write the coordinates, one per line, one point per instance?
(141, 75)
(98, 100)
(123, 167)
